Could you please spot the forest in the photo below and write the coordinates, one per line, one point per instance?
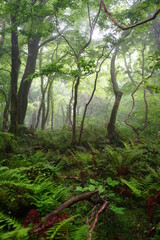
(79, 119)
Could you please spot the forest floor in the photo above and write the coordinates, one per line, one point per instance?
(51, 190)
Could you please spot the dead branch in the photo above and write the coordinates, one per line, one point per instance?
(73, 177)
(68, 203)
(96, 218)
(133, 25)
(90, 218)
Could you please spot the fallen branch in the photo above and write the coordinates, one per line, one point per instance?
(73, 177)
(96, 218)
(85, 196)
(133, 25)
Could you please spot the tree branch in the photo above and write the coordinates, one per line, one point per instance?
(133, 25)
(2, 69)
(49, 40)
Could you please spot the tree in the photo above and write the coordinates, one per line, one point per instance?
(15, 66)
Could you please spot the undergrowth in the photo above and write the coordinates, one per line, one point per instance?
(51, 171)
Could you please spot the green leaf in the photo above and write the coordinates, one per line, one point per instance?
(80, 189)
(93, 181)
(132, 186)
(111, 182)
(101, 189)
(117, 210)
(91, 188)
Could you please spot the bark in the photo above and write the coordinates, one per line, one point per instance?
(6, 111)
(128, 71)
(146, 110)
(145, 97)
(43, 92)
(33, 48)
(63, 116)
(26, 83)
(69, 111)
(14, 73)
(52, 114)
(75, 111)
(118, 95)
(6, 114)
(46, 111)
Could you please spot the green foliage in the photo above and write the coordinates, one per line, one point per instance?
(87, 67)
(8, 143)
(56, 140)
(156, 60)
(92, 186)
(133, 184)
(67, 230)
(12, 229)
(121, 160)
(47, 70)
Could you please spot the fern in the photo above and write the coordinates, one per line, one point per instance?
(133, 185)
(66, 230)
(12, 229)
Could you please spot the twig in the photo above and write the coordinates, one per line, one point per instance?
(96, 218)
(90, 218)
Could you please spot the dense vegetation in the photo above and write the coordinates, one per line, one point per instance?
(79, 114)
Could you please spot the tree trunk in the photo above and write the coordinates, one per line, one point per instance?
(118, 95)
(14, 73)
(46, 111)
(69, 108)
(52, 113)
(75, 111)
(26, 83)
(6, 114)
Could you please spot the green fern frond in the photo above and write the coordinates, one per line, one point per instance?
(12, 229)
(133, 184)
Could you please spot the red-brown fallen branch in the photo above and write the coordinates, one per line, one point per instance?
(90, 218)
(96, 218)
(85, 196)
(133, 25)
